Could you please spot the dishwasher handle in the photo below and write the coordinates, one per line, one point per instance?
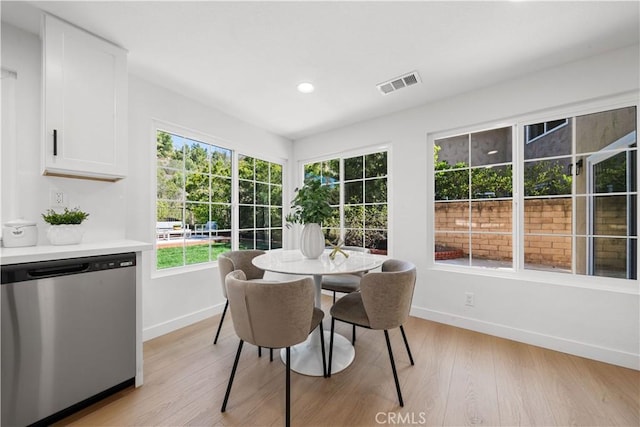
(38, 273)
(15, 273)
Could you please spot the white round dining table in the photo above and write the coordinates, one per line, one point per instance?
(306, 357)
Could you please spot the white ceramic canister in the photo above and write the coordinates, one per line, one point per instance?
(19, 232)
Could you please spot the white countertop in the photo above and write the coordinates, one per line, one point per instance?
(50, 252)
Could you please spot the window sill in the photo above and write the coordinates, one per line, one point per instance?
(176, 271)
(596, 283)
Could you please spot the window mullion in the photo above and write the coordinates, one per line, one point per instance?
(518, 197)
(184, 201)
(235, 191)
(341, 200)
(574, 206)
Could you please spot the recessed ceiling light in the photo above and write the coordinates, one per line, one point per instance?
(305, 87)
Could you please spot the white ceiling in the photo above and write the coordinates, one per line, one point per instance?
(246, 58)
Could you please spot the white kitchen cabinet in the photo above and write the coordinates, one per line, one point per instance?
(85, 104)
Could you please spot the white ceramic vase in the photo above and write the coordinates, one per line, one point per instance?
(65, 234)
(312, 241)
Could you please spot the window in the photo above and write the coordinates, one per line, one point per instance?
(577, 208)
(474, 198)
(195, 182)
(580, 197)
(193, 207)
(260, 203)
(538, 130)
(359, 199)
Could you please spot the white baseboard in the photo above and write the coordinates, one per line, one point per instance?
(180, 322)
(577, 348)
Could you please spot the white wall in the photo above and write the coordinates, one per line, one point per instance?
(595, 323)
(125, 209)
(600, 324)
(174, 300)
(29, 195)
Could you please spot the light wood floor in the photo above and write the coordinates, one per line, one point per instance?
(460, 378)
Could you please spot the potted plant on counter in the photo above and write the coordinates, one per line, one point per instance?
(310, 207)
(66, 226)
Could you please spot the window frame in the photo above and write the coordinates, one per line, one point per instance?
(472, 200)
(236, 230)
(341, 156)
(236, 151)
(519, 123)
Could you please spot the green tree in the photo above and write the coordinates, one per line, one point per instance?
(375, 164)
(451, 182)
(196, 158)
(328, 171)
(540, 178)
(545, 178)
(245, 167)
(492, 182)
(611, 174)
(169, 180)
(164, 145)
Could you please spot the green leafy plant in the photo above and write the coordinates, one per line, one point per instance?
(540, 179)
(310, 205)
(546, 178)
(73, 216)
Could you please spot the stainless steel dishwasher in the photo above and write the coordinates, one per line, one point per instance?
(68, 335)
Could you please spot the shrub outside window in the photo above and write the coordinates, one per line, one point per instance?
(359, 199)
(260, 203)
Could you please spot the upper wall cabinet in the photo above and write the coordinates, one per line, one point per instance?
(85, 104)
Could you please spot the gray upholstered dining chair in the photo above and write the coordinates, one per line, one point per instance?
(274, 315)
(383, 303)
(236, 260)
(345, 283)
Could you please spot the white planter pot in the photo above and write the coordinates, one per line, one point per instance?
(65, 234)
(312, 241)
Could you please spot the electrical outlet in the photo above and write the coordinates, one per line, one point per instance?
(469, 299)
(57, 198)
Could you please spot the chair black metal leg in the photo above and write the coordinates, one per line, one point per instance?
(324, 360)
(288, 391)
(226, 305)
(353, 335)
(393, 367)
(270, 355)
(259, 351)
(406, 343)
(333, 322)
(233, 373)
(334, 297)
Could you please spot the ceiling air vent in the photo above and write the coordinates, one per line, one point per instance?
(399, 82)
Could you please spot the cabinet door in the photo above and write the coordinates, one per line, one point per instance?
(85, 104)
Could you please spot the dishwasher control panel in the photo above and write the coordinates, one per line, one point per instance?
(112, 264)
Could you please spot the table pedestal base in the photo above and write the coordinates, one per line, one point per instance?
(306, 357)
